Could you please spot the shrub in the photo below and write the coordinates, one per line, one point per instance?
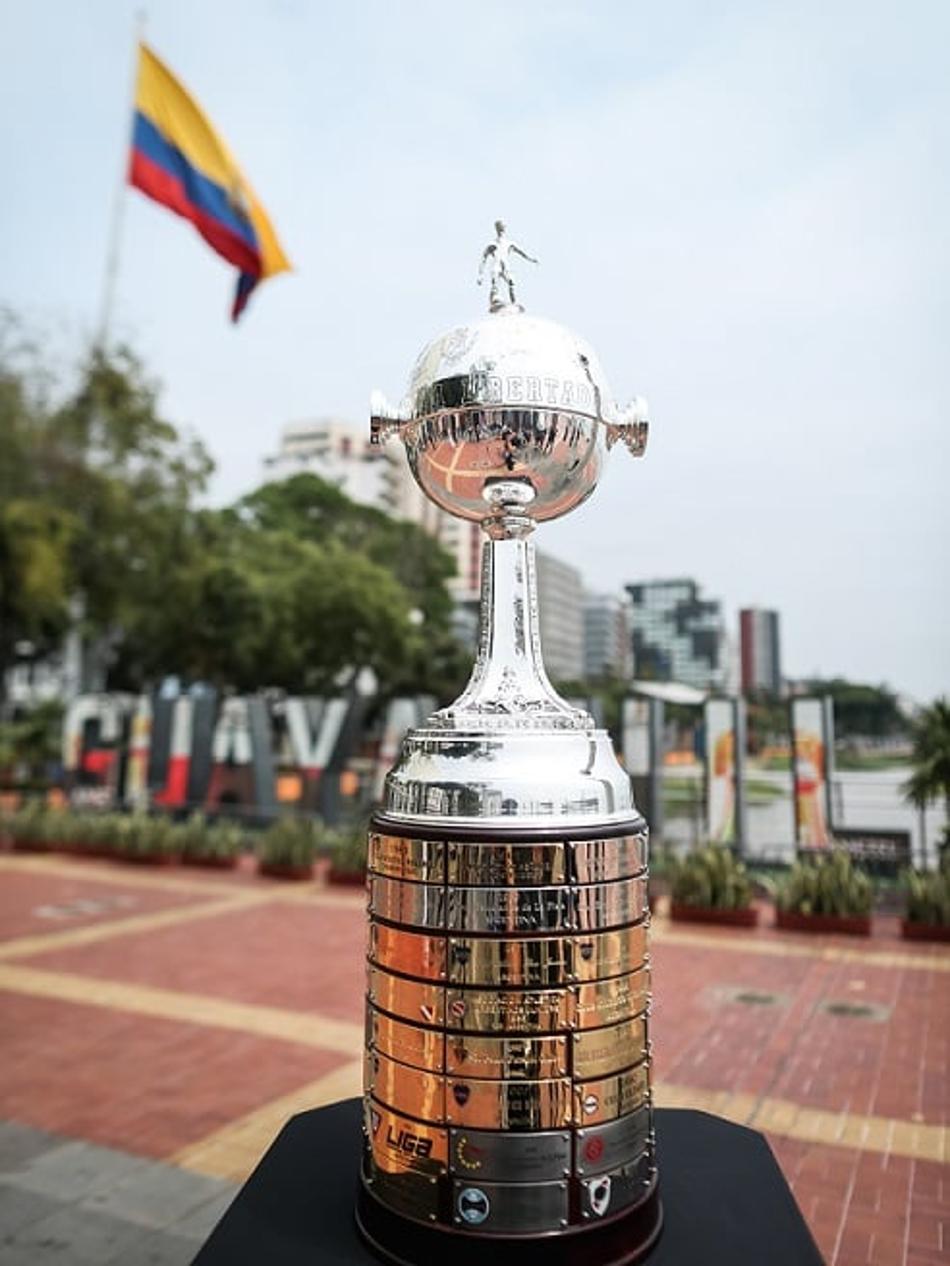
(928, 897)
(289, 842)
(141, 836)
(31, 825)
(827, 885)
(349, 850)
(711, 878)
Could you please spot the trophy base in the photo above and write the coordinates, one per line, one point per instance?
(619, 1241)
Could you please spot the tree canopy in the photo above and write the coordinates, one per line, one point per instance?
(100, 523)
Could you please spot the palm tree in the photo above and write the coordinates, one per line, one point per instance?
(931, 758)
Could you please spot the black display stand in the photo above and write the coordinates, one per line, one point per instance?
(725, 1200)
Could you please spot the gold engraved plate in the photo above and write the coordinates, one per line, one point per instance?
(597, 1052)
(419, 1047)
(510, 909)
(598, 955)
(410, 1090)
(610, 1097)
(409, 999)
(410, 953)
(470, 865)
(505, 1058)
(503, 1011)
(398, 1145)
(422, 861)
(530, 963)
(611, 905)
(418, 905)
(508, 1105)
(599, 861)
(604, 1002)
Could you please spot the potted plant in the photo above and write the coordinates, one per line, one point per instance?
(287, 849)
(348, 853)
(29, 828)
(215, 844)
(825, 895)
(150, 841)
(928, 905)
(711, 886)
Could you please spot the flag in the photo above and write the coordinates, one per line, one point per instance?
(180, 160)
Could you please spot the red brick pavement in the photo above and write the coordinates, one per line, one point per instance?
(153, 1085)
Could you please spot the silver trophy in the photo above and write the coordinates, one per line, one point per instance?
(507, 1083)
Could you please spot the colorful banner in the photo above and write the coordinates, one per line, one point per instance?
(720, 725)
(811, 744)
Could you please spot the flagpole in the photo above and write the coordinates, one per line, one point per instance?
(114, 246)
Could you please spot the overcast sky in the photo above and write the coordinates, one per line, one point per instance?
(743, 206)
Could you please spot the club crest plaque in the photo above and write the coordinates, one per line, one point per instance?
(507, 1087)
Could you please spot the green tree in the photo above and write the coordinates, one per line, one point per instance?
(861, 711)
(930, 779)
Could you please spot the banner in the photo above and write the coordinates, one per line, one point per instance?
(720, 718)
(811, 744)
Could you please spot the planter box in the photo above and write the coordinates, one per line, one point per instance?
(348, 878)
(150, 859)
(924, 931)
(284, 870)
(849, 924)
(211, 863)
(746, 918)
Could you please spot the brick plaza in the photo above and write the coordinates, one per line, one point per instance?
(157, 1027)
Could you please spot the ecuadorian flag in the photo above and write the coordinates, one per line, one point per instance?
(179, 160)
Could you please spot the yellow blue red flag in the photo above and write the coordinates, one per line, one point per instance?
(180, 160)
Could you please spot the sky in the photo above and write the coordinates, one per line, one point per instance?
(742, 206)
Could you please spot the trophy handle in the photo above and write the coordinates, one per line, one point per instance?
(384, 419)
(632, 427)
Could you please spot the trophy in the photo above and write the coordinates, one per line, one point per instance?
(507, 1063)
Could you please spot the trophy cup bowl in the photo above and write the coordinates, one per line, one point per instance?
(507, 1064)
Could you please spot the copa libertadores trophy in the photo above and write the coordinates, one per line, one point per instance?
(507, 1082)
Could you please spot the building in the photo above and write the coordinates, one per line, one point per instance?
(677, 635)
(607, 647)
(561, 618)
(759, 650)
(336, 452)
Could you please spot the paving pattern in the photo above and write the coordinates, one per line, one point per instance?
(157, 1027)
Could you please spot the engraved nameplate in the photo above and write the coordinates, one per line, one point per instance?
(422, 1048)
(597, 955)
(508, 1105)
(515, 865)
(597, 1052)
(601, 1147)
(522, 1157)
(598, 861)
(505, 1058)
(398, 1145)
(411, 1091)
(416, 905)
(501, 1011)
(610, 1097)
(410, 953)
(511, 1208)
(510, 909)
(617, 1190)
(422, 861)
(408, 999)
(522, 961)
(610, 905)
(604, 1002)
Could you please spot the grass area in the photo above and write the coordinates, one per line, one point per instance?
(856, 762)
(680, 791)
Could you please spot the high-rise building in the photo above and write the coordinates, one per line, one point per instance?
(336, 452)
(759, 650)
(561, 617)
(607, 648)
(677, 635)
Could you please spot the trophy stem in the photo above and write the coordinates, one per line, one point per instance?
(509, 677)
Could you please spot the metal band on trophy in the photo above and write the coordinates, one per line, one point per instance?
(507, 1067)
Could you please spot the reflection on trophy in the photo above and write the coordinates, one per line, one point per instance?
(507, 1082)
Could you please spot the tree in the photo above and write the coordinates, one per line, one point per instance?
(931, 757)
(861, 711)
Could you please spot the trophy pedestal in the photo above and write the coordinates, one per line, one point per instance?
(619, 1241)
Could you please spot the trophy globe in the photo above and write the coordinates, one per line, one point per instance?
(507, 1085)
